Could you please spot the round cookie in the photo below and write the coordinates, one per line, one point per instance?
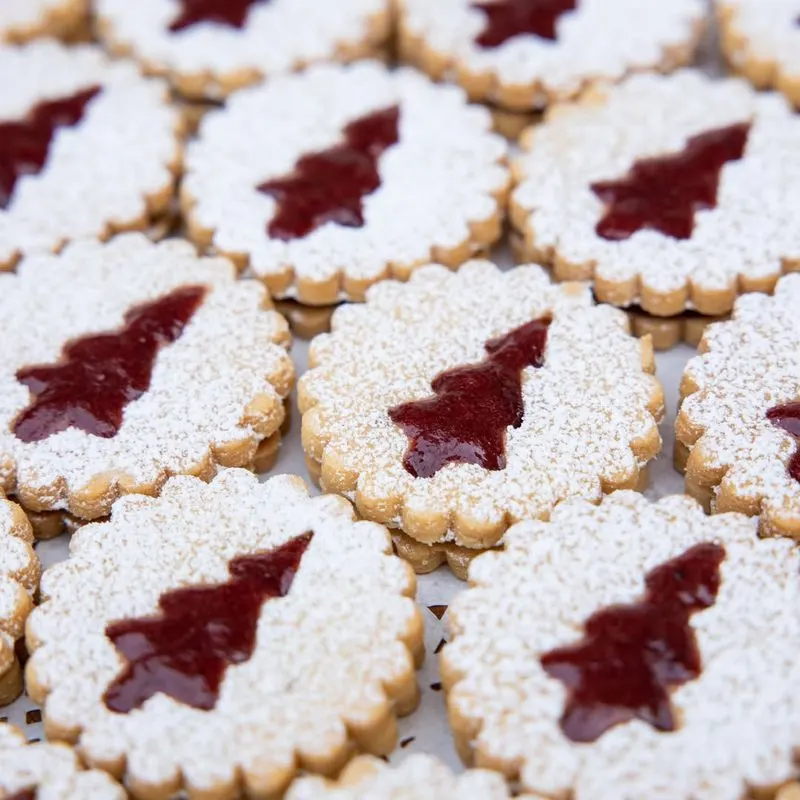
(298, 638)
(736, 433)
(22, 21)
(670, 672)
(327, 182)
(523, 55)
(209, 48)
(48, 770)
(561, 403)
(19, 582)
(761, 40)
(87, 148)
(124, 363)
(672, 193)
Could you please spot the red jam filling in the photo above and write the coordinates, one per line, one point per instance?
(330, 186)
(632, 655)
(25, 794)
(506, 19)
(787, 418)
(664, 193)
(232, 13)
(184, 652)
(24, 144)
(99, 375)
(466, 420)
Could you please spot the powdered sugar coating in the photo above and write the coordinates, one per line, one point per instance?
(445, 146)
(739, 722)
(231, 353)
(21, 20)
(278, 36)
(419, 777)
(52, 770)
(110, 171)
(746, 367)
(750, 237)
(589, 413)
(599, 40)
(326, 662)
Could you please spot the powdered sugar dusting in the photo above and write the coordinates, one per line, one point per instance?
(738, 722)
(129, 131)
(752, 232)
(231, 353)
(445, 145)
(325, 661)
(583, 410)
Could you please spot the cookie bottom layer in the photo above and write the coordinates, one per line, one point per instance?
(306, 322)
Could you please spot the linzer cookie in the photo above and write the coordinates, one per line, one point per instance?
(630, 650)
(761, 40)
(739, 422)
(237, 632)
(669, 192)
(667, 332)
(522, 55)
(209, 48)
(23, 21)
(87, 148)
(419, 777)
(52, 771)
(328, 182)
(127, 362)
(19, 581)
(482, 398)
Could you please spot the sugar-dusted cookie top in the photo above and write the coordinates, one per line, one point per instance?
(459, 403)
(126, 362)
(297, 637)
(761, 40)
(525, 54)
(87, 147)
(19, 582)
(419, 777)
(326, 182)
(208, 48)
(630, 649)
(739, 420)
(670, 192)
(51, 771)
(22, 21)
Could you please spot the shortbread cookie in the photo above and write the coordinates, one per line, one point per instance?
(761, 40)
(419, 777)
(328, 182)
(124, 363)
(23, 20)
(523, 55)
(50, 771)
(738, 427)
(19, 580)
(255, 687)
(668, 332)
(511, 124)
(87, 148)
(306, 322)
(460, 403)
(630, 650)
(209, 48)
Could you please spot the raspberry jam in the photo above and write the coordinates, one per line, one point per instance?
(232, 13)
(25, 144)
(632, 655)
(506, 19)
(25, 794)
(663, 194)
(329, 186)
(99, 375)
(466, 420)
(185, 651)
(787, 418)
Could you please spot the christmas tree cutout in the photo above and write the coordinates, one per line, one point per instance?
(232, 13)
(508, 18)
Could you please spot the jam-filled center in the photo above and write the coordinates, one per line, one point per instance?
(201, 630)
(25, 144)
(232, 13)
(472, 407)
(24, 794)
(99, 375)
(664, 193)
(631, 656)
(787, 418)
(506, 19)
